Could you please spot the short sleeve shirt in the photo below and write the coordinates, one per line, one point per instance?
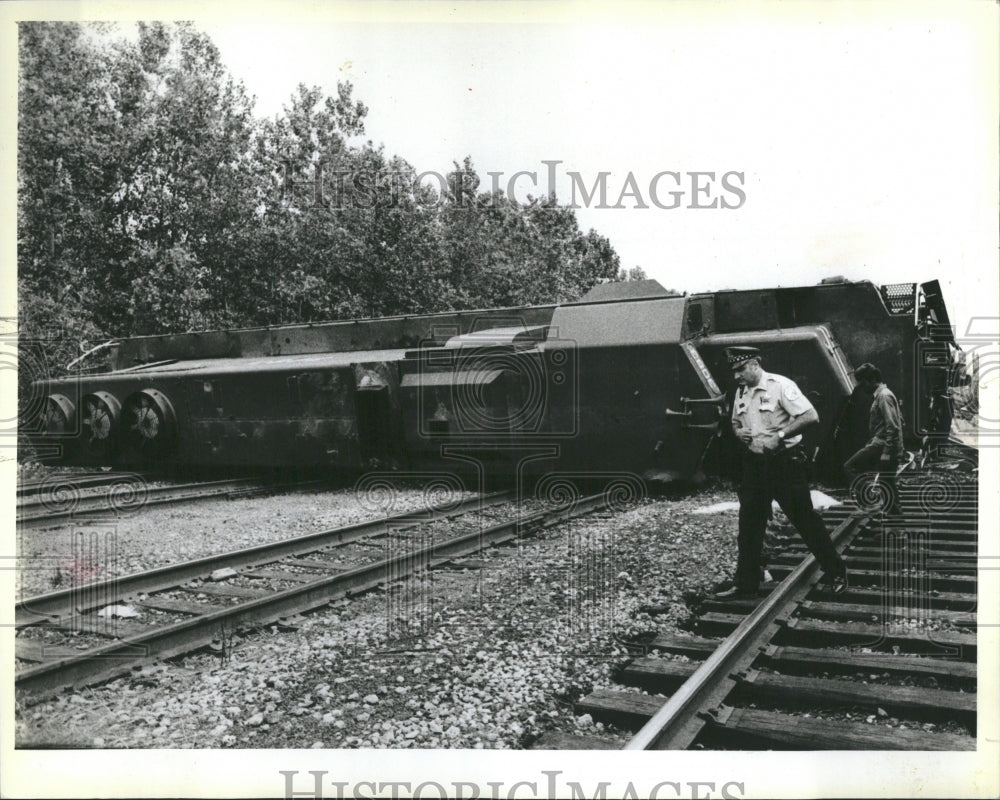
(768, 406)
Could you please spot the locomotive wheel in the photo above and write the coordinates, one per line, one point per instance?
(99, 425)
(57, 415)
(150, 425)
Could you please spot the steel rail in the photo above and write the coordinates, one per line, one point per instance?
(84, 481)
(119, 657)
(98, 505)
(81, 599)
(678, 722)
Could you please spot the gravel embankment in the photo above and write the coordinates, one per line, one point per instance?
(50, 558)
(487, 657)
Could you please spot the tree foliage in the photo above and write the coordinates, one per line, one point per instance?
(152, 199)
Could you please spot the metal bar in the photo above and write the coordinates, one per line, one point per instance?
(77, 482)
(676, 724)
(717, 401)
(99, 504)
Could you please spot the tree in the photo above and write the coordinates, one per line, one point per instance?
(348, 230)
(636, 273)
(133, 169)
(151, 199)
(502, 252)
(184, 193)
(67, 134)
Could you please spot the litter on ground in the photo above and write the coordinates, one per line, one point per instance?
(820, 501)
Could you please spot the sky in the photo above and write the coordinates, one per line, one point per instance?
(863, 137)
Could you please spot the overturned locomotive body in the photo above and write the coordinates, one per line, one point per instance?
(629, 378)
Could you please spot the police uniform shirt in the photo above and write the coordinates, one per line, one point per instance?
(766, 408)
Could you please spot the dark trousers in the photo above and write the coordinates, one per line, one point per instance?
(868, 459)
(782, 477)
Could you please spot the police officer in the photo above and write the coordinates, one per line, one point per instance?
(769, 413)
(885, 424)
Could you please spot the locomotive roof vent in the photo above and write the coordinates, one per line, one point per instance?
(899, 298)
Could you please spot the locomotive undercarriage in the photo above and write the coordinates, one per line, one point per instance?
(618, 384)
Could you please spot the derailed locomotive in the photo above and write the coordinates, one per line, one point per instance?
(629, 378)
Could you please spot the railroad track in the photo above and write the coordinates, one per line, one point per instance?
(890, 664)
(65, 641)
(125, 494)
(65, 482)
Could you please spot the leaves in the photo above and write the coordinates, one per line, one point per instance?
(151, 199)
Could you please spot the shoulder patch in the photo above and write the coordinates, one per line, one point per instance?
(792, 392)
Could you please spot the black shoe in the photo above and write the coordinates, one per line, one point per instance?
(735, 593)
(839, 584)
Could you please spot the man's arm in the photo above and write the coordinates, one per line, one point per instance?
(889, 409)
(804, 420)
(791, 428)
(742, 433)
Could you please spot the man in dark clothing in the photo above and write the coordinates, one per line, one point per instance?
(769, 413)
(885, 426)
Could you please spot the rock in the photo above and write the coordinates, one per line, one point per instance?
(371, 699)
(255, 720)
(223, 574)
(121, 612)
(882, 712)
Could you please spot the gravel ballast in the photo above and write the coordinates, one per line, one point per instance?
(50, 558)
(491, 655)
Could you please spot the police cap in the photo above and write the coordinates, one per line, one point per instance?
(738, 356)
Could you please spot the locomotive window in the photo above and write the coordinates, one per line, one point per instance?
(695, 318)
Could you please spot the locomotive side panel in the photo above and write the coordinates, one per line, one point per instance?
(643, 402)
(277, 418)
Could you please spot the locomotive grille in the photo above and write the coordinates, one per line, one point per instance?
(899, 297)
